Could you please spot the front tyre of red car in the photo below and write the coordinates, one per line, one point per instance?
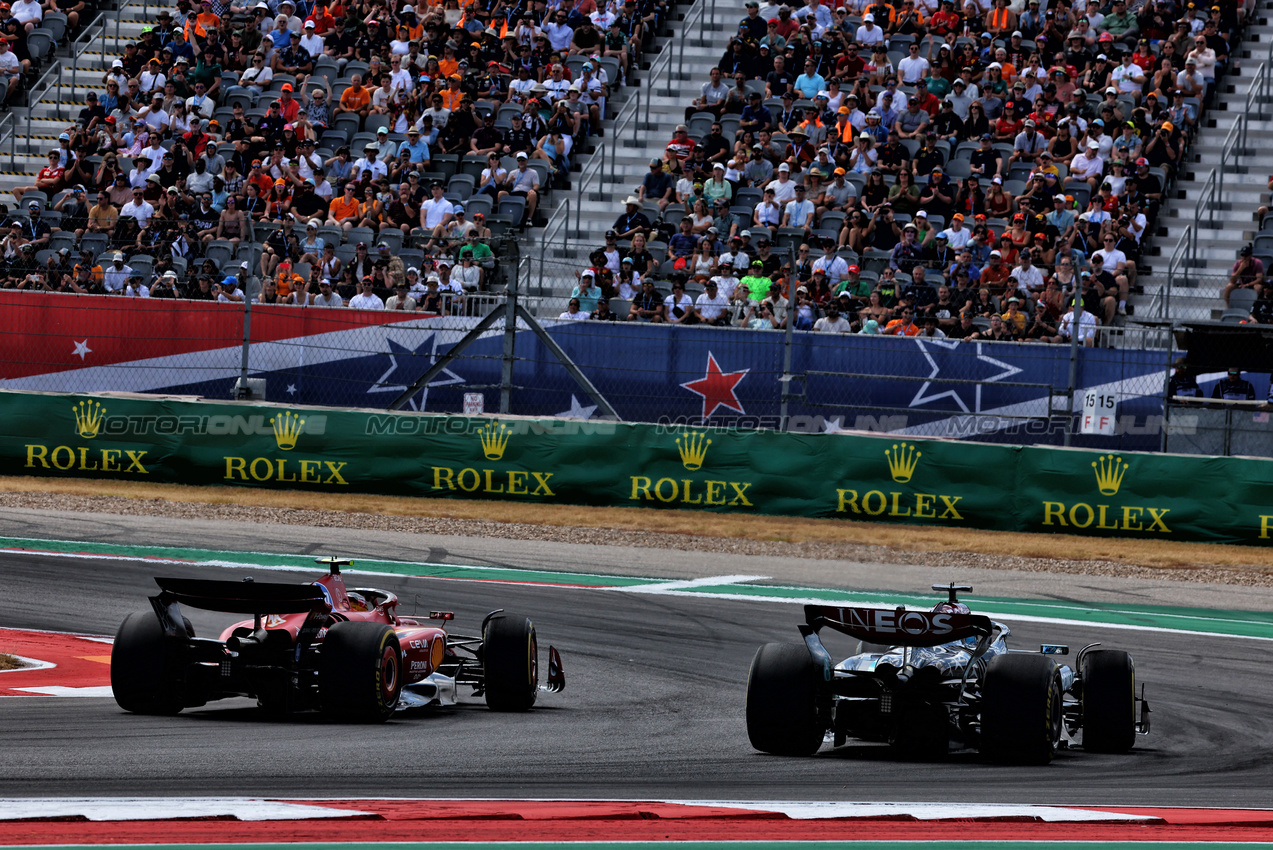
(1021, 709)
(510, 662)
(782, 701)
(143, 680)
(360, 672)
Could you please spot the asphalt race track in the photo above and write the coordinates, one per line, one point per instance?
(653, 710)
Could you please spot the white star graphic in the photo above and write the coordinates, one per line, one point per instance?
(833, 426)
(291, 389)
(445, 378)
(577, 411)
(81, 350)
(952, 345)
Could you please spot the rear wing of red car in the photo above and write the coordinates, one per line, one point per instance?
(243, 597)
(897, 627)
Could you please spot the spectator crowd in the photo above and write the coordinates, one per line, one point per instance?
(918, 167)
(327, 147)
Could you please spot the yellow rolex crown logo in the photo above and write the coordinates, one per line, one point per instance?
(1109, 473)
(287, 430)
(88, 418)
(902, 460)
(693, 449)
(494, 437)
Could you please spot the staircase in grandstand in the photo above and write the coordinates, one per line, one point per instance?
(641, 114)
(74, 66)
(643, 125)
(1222, 184)
(673, 80)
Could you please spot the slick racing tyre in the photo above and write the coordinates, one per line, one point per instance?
(1021, 709)
(360, 672)
(510, 662)
(143, 674)
(782, 701)
(1109, 701)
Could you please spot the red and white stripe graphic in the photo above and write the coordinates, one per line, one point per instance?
(242, 820)
(56, 664)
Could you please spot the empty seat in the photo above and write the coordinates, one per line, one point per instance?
(514, 207)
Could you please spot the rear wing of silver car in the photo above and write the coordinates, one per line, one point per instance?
(898, 626)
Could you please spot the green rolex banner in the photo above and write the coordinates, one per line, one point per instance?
(870, 478)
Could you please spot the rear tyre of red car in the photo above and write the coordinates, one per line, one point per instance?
(143, 678)
(360, 672)
(782, 701)
(1109, 701)
(510, 662)
(1021, 709)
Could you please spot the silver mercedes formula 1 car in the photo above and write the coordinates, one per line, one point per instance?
(929, 682)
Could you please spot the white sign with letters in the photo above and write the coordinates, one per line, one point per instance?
(1099, 414)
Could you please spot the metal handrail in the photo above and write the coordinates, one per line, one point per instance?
(658, 67)
(119, 15)
(1185, 255)
(663, 62)
(558, 224)
(593, 169)
(692, 21)
(1179, 257)
(55, 72)
(1207, 198)
(11, 122)
(622, 122)
(77, 51)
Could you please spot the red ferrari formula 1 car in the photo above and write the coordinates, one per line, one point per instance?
(319, 646)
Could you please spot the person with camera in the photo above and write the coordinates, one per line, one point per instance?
(1163, 149)
(227, 290)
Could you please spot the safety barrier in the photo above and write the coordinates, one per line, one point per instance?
(854, 477)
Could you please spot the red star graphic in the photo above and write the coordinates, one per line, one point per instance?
(717, 388)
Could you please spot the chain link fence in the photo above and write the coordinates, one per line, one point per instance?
(714, 376)
(1181, 297)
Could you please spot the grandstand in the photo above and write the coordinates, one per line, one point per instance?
(580, 196)
(69, 63)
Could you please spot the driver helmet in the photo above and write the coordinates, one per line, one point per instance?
(950, 608)
(357, 602)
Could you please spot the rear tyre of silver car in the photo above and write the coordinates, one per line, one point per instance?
(782, 701)
(360, 672)
(1021, 709)
(510, 662)
(143, 678)
(1109, 701)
